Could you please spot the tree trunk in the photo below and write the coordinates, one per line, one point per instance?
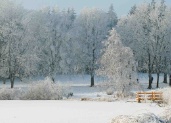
(165, 78)
(93, 67)
(157, 80)
(170, 80)
(4, 81)
(12, 78)
(150, 82)
(149, 72)
(53, 79)
(165, 68)
(92, 80)
(12, 83)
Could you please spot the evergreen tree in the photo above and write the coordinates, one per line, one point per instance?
(133, 9)
(112, 17)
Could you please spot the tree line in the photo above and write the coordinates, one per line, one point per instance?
(51, 41)
(147, 31)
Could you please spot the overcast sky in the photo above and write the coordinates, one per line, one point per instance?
(122, 7)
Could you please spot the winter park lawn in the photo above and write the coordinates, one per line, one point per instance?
(73, 110)
(69, 111)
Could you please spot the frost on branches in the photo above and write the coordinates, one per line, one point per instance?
(147, 32)
(118, 64)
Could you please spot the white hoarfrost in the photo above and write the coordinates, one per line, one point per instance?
(44, 90)
(118, 64)
(166, 95)
(10, 94)
(163, 117)
(166, 115)
(41, 90)
(143, 118)
(147, 32)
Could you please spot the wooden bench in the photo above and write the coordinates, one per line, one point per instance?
(153, 96)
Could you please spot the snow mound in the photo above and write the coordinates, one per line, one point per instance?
(123, 119)
(166, 115)
(143, 118)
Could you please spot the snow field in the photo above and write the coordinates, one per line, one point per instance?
(70, 111)
(74, 111)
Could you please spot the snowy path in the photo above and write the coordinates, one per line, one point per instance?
(69, 111)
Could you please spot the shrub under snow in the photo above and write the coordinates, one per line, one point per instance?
(143, 118)
(120, 95)
(166, 95)
(109, 91)
(44, 90)
(10, 94)
(166, 115)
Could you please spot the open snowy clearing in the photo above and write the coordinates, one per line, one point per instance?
(70, 111)
(80, 84)
(73, 110)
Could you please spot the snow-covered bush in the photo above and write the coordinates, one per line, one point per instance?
(10, 94)
(120, 95)
(109, 91)
(143, 118)
(45, 90)
(123, 119)
(166, 95)
(166, 115)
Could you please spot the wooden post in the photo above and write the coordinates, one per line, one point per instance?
(138, 97)
(153, 96)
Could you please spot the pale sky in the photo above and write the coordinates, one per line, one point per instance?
(121, 7)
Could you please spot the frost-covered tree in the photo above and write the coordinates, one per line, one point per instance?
(118, 63)
(160, 34)
(112, 17)
(146, 32)
(68, 49)
(51, 30)
(18, 58)
(133, 9)
(91, 29)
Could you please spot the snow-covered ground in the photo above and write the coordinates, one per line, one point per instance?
(80, 84)
(74, 110)
(70, 111)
